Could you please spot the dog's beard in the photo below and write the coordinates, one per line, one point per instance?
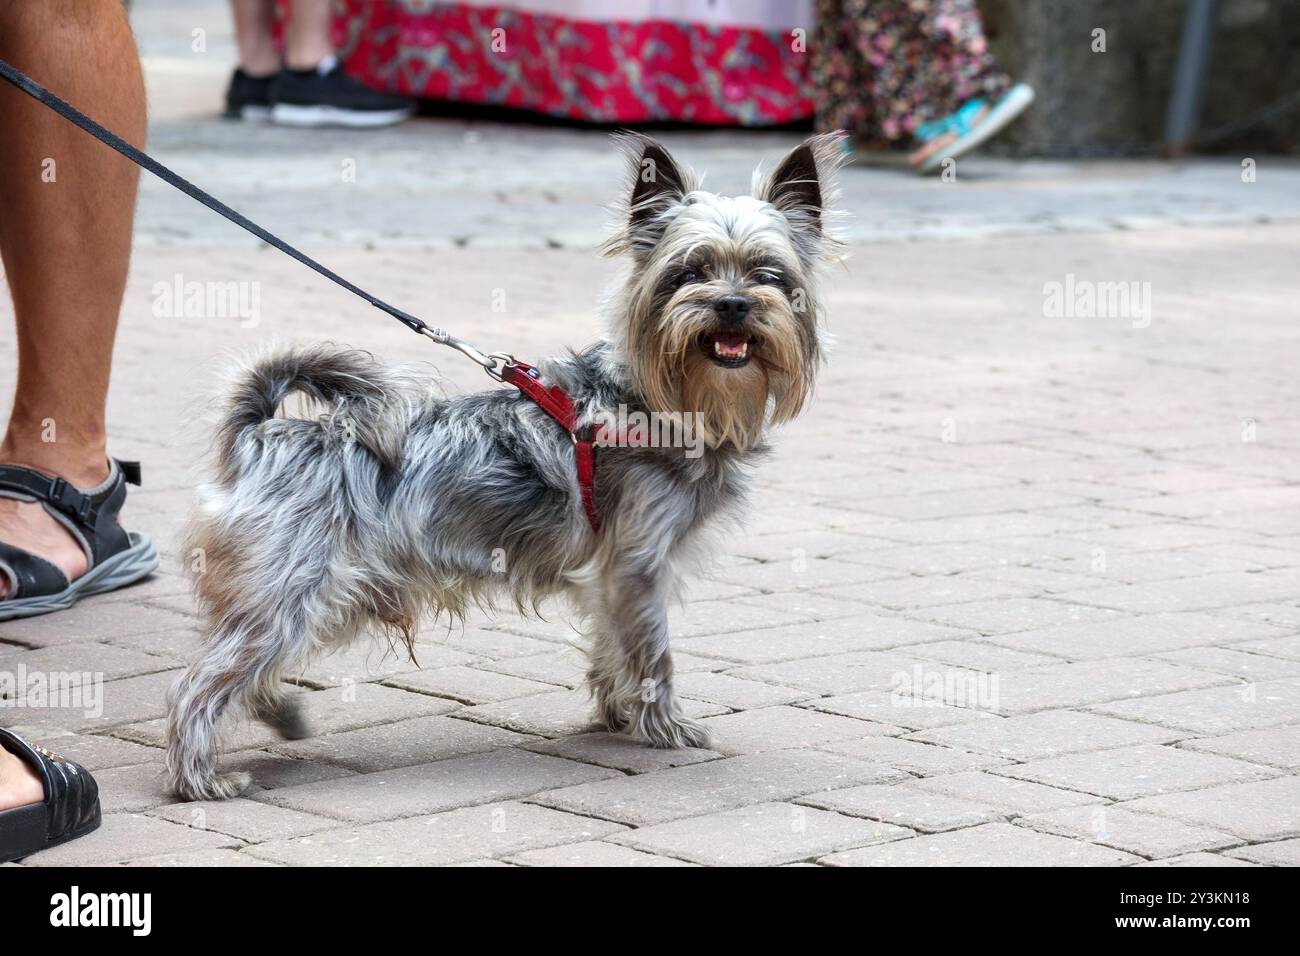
(672, 369)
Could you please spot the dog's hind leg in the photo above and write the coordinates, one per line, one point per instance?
(243, 665)
(225, 674)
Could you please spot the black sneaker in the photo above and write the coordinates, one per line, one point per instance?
(326, 96)
(250, 97)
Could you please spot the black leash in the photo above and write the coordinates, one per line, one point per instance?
(69, 112)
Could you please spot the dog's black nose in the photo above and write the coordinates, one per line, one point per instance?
(732, 308)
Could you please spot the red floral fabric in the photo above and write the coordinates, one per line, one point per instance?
(606, 72)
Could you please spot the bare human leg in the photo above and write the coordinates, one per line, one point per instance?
(307, 37)
(254, 20)
(67, 204)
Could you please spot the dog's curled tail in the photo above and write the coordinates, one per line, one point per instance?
(359, 394)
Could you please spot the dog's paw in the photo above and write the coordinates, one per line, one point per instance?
(291, 724)
(218, 786)
(671, 732)
(227, 785)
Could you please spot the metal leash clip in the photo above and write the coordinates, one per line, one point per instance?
(489, 362)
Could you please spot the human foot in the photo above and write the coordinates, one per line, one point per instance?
(944, 139)
(26, 525)
(19, 784)
(961, 132)
(41, 574)
(45, 799)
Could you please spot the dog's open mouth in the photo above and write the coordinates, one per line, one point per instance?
(728, 349)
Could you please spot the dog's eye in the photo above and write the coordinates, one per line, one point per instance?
(686, 277)
(767, 278)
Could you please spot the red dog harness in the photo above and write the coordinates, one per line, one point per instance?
(555, 401)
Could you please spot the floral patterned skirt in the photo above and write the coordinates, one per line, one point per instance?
(884, 67)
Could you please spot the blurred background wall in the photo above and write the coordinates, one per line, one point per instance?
(1113, 103)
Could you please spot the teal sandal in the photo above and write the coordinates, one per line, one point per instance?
(969, 130)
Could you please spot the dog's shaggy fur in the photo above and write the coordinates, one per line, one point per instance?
(397, 503)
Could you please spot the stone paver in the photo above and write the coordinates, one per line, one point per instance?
(843, 673)
(1264, 810)
(762, 835)
(903, 714)
(1006, 616)
(734, 692)
(1141, 771)
(781, 728)
(906, 806)
(248, 820)
(556, 713)
(1225, 660)
(1284, 647)
(112, 619)
(1015, 796)
(863, 631)
(429, 788)
(485, 644)
(993, 844)
(218, 857)
(469, 685)
(401, 744)
(368, 662)
(553, 669)
(915, 757)
(593, 853)
(104, 661)
(1216, 710)
(92, 707)
(1203, 591)
(1008, 567)
(126, 836)
(1275, 747)
(99, 752)
(1198, 861)
(1095, 682)
(621, 752)
(1135, 636)
(715, 786)
(457, 836)
(326, 711)
(1046, 734)
(1140, 833)
(978, 656)
(781, 577)
(271, 771)
(900, 594)
(1281, 853)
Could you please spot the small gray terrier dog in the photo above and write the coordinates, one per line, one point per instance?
(397, 503)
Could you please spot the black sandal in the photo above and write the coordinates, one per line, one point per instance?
(70, 810)
(114, 557)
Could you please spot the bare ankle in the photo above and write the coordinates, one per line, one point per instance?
(83, 464)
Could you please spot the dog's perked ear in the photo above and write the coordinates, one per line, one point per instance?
(803, 187)
(656, 188)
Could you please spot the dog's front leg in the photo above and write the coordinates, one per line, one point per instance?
(632, 668)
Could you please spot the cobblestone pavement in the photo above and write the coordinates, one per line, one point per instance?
(1081, 533)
